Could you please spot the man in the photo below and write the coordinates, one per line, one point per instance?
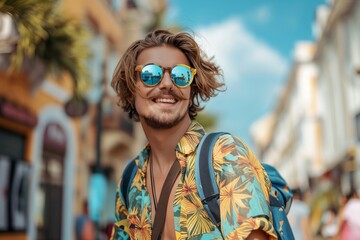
(160, 81)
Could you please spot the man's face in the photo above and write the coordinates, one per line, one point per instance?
(164, 105)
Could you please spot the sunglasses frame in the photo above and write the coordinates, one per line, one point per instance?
(139, 69)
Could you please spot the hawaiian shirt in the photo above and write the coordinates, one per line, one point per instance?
(244, 194)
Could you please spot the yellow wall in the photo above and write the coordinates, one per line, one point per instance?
(16, 88)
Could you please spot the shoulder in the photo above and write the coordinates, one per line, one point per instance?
(126, 179)
(233, 158)
(231, 139)
(130, 166)
(232, 147)
(128, 174)
(228, 140)
(231, 150)
(137, 163)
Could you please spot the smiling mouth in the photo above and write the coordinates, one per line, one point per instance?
(165, 100)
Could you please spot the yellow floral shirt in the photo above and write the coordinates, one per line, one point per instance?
(244, 194)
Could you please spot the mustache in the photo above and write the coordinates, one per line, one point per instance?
(163, 92)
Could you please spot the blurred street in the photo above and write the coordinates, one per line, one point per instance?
(64, 141)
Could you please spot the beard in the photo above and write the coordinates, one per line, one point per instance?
(159, 122)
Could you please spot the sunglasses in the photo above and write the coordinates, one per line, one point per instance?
(151, 74)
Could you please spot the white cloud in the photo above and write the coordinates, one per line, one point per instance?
(238, 52)
(253, 72)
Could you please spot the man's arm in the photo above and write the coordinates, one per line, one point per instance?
(244, 190)
(121, 226)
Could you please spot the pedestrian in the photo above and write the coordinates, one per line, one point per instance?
(329, 224)
(343, 229)
(349, 227)
(299, 216)
(160, 81)
(84, 226)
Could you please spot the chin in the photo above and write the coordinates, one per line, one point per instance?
(163, 123)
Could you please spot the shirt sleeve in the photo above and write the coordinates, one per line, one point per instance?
(121, 225)
(244, 190)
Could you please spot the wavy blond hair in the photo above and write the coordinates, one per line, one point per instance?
(206, 83)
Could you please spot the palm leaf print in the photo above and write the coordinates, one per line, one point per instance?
(198, 222)
(141, 226)
(189, 186)
(246, 227)
(234, 196)
(191, 138)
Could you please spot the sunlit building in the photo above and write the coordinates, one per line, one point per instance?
(287, 138)
(313, 135)
(338, 60)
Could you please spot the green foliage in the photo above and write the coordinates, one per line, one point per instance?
(44, 34)
(208, 121)
(29, 16)
(65, 48)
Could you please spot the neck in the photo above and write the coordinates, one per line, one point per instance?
(163, 143)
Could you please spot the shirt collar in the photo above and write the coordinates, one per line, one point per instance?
(191, 138)
(187, 144)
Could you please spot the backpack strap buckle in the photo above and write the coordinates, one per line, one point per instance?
(210, 198)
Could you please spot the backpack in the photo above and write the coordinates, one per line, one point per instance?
(280, 194)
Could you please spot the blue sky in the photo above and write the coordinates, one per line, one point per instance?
(253, 42)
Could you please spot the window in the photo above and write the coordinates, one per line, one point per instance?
(12, 144)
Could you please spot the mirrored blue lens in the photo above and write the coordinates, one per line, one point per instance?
(181, 75)
(151, 74)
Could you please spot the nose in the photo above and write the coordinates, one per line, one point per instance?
(166, 82)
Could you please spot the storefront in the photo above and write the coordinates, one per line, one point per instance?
(16, 126)
(38, 151)
(52, 187)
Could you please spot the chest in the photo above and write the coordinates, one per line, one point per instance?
(160, 208)
(184, 209)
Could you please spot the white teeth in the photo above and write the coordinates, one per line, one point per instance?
(165, 100)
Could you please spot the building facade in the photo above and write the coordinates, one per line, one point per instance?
(338, 61)
(290, 141)
(313, 136)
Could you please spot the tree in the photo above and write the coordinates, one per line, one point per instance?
(208, 121)
(59, 43)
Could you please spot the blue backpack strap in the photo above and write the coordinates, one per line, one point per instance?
(127, 177)
(204, 176)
